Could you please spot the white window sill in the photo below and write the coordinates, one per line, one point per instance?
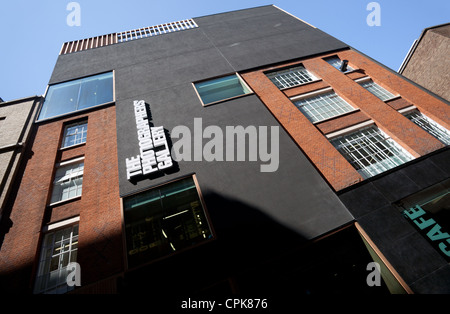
(64, 201)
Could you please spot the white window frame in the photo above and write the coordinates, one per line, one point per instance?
(67, 178)
(65, 135)
(316, 94)
(368, 78)
(68, 247)
(370, 150)
(290, 70)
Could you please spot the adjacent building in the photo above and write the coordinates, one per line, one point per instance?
(16, 123)
(427, 61)
(246, 152)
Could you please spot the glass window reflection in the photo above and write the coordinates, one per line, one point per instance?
(164, 220)
(76, 95)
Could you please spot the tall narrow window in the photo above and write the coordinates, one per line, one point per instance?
(323, 106)
(67, 97)
(377, 90)
(370, 151)
(68, 181)
(74, 134)
(164, 220)
(59, 248)
(291, 77)
(430, 126)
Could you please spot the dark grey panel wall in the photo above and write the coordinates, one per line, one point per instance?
(372, 204)
(161, 69)
(265, 35)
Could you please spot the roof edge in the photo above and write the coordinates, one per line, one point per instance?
(415, 44)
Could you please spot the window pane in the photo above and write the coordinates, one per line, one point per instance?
(323, 106)
(68, 182)
(58, 249)
(61, 98)
(377, 90)
(77, 95)
(336, 62)
(370, 151)
(291, 77)
(164, 220)
(75, 134)
(221, 88)
(430, 126)
(95, 91)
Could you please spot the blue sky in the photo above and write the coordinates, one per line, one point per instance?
(33, 32)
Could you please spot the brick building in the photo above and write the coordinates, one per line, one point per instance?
(427, 61)
(135, 171)
(16, 120)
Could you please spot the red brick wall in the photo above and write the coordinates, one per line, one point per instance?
(100, 244)
(337, 171)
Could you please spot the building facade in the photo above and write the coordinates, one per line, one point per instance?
(189, 158)
(427, 61)
(16, 121)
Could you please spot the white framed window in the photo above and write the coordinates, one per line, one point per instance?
(291, 77)
(375, 89)
(74, 134)
(430, 126)
(58, 249)
(68, 181)
(370, 151)
(321, 105)
(336, 62)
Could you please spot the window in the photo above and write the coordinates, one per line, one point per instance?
(430, 126)
(164, 220)
(323, 106)
(429, 212)
(377, 90)
(77, 95)
(222, 88)
(68, 180)
(370, 151)
(337, 63)
(59, 248)
(291, 77)
(74, 134)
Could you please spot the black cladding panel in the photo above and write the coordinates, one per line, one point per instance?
(264, 35)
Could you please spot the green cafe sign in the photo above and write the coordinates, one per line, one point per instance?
(430, 227)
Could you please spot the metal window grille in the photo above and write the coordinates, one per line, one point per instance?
(156, 30)
(377, 90)
(323, 106)
(291, 77)
(68, 182)
(370, 151)
(58, 249)
(75, 134)
(114, 38)
(430, 126)
(336, 62)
